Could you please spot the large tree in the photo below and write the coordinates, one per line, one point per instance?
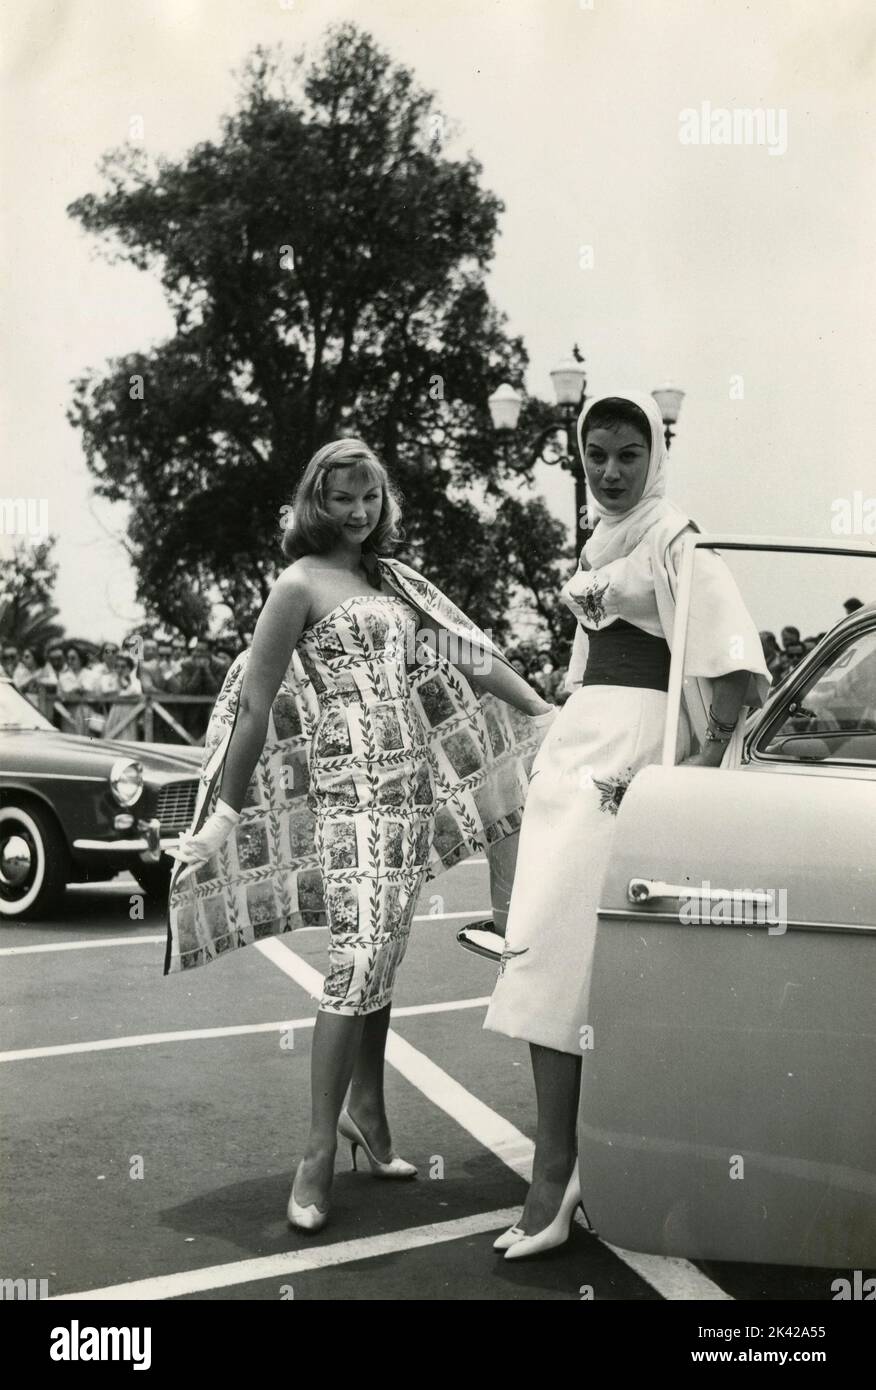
(325, 265)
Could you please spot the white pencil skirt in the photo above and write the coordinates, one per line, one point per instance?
(602, 736)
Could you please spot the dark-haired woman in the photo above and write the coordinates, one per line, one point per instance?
(347, 759)
(610, 727)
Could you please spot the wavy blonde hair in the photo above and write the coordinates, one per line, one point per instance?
(312, 530)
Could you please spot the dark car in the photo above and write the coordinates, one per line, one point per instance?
(75, 809)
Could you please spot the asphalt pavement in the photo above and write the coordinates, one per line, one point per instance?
(151, 1125)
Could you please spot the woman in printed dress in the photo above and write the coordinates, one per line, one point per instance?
(610, 727)
(347, 760)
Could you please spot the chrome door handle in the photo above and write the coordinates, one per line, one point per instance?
(645, 890)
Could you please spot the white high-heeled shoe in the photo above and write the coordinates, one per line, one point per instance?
(557, 1233)
(393, 1167)
(311, 1218)
(509, 1238)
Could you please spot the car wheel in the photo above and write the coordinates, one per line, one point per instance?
(34, 863)
(154, 879)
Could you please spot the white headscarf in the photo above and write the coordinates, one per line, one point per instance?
(617, 533)
(718, 622)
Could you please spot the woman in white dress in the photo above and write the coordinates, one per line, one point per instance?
(610, 727)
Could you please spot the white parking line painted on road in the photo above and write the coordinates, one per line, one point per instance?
(83, 945)
(90, 941)
(673, 1279)
(678, 1279)
(290, 1263)
(233, 1030)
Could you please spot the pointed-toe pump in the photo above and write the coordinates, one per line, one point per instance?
(509, 1238)
(393, 1167)
(311, 1218)
(557, 1233)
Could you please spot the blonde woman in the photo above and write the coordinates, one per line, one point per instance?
(347, 760)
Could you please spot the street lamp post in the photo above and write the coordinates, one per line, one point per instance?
(558, 442)
(669, 399)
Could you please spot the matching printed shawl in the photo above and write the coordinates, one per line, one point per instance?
(265, 880)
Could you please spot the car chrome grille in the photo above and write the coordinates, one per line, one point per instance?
(176, 805)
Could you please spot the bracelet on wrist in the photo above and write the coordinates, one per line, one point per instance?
(715, 722)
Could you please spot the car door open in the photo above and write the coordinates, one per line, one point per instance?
(727, 1093)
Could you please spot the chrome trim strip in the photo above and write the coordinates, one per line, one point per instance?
(606, 914)
(57, 776)
(801, 546)
(125, 846)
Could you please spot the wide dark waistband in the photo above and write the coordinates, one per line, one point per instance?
(623, 654)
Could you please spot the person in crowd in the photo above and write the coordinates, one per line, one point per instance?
(612, 725)
(852, 605)
(367, 759)
(168, 668)
(149, 668)
(26, 675)
(772, 654)
(546, 677)
(178, 651)
(220, 660)
(72, 683)
(8, 661)
(118, 722)
(103, 679)
(792, 647)
(49, 683)
(197, 677)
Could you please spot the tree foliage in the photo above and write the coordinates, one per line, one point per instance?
(27, 610)
(324, 263)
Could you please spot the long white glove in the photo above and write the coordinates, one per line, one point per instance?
(197, 849)
(542, 721)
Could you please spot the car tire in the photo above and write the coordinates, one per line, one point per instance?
(154, 879)
(36, 889)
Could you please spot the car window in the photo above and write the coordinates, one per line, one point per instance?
(794, 595)
(833, 717)
(18, 713)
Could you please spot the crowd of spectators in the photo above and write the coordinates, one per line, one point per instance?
(538, 667)
(93, 685)
(782, 657)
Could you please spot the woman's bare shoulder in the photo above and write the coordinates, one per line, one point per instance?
(294, 584)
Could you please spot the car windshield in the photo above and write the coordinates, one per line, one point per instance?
(836, 706)
(18, 713)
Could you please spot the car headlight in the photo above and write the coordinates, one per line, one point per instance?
(126, 781)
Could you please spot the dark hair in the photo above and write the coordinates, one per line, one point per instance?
(313, 529)
(612, 414)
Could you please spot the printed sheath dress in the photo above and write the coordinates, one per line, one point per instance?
(381, 769)
(371, 791)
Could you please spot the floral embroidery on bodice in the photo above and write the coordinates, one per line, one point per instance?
(623, 588)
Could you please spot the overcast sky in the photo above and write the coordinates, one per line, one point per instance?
(710, 263)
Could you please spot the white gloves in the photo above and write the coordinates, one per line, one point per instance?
(542, 721)
(197, 849)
